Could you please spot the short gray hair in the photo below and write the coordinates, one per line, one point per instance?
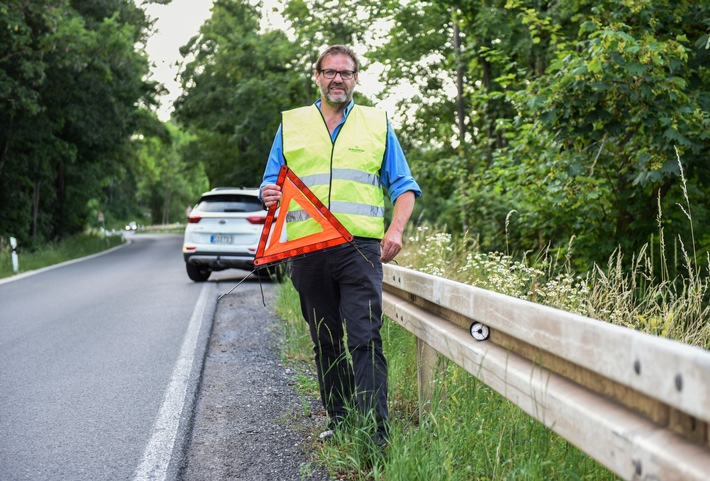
(335, 50)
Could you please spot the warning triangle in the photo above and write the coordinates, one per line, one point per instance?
(274, 247)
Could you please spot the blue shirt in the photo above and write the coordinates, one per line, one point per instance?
(395, 175)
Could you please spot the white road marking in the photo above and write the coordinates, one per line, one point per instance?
(158, 452)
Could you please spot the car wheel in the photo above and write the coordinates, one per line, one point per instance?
(197, 273)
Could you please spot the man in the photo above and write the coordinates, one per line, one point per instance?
(348, 156)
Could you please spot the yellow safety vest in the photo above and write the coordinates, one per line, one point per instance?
(344, 174)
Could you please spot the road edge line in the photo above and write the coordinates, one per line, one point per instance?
(158, 454)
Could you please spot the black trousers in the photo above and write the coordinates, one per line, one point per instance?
(341, 298)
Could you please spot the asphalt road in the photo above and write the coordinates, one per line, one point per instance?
(99, 362)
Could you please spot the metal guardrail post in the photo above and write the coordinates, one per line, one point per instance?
(430, 368)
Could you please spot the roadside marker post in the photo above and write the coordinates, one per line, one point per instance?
(15, 261)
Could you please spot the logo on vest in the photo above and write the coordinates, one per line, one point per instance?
(356, 149)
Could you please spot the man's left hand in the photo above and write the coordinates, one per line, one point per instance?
(392, 241)
(391, 245)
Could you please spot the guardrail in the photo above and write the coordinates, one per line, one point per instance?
(638, 404)
(162, 228)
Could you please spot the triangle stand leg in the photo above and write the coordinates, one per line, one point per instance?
(238, 284)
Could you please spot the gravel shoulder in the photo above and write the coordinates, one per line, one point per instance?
(249, 421)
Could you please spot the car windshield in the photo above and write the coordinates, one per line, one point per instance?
(230, 203)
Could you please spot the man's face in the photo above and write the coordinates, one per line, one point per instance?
(336, 91)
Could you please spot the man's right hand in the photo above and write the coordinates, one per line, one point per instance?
(270, 194)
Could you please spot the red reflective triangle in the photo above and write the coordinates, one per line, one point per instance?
(271, 246)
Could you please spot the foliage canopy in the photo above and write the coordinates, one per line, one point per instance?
(528, 124)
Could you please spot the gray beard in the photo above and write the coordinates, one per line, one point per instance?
(333, 102)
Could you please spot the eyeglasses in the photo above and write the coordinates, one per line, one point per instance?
(329, 73)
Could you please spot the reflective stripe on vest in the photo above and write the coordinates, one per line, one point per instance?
(344, 175)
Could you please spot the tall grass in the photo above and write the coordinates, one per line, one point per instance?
(475, 434)
(53, 253)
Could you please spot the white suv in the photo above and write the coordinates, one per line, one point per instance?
(223, 232)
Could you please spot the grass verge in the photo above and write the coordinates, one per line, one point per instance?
(74, 247)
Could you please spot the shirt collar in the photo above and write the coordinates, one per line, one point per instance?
(345, 112)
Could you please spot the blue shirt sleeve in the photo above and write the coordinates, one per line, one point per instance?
(395, 175)
(274, 163)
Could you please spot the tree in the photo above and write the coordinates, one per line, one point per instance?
(602, 124)
(235, 88)
(74, 85)
(573, 112)
(167, 181)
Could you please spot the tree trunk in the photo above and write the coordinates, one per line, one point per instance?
(3, 155)
(35, 209)
(490, 123)
(59, 228)
(460, 105)
(166, 208)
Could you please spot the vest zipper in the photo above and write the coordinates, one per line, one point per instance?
(332, 150)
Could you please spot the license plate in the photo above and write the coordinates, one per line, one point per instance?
(221, 239)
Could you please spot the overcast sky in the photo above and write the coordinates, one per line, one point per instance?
(180, 20)
(176, 23)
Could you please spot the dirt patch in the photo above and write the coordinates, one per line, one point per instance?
(249, 422)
